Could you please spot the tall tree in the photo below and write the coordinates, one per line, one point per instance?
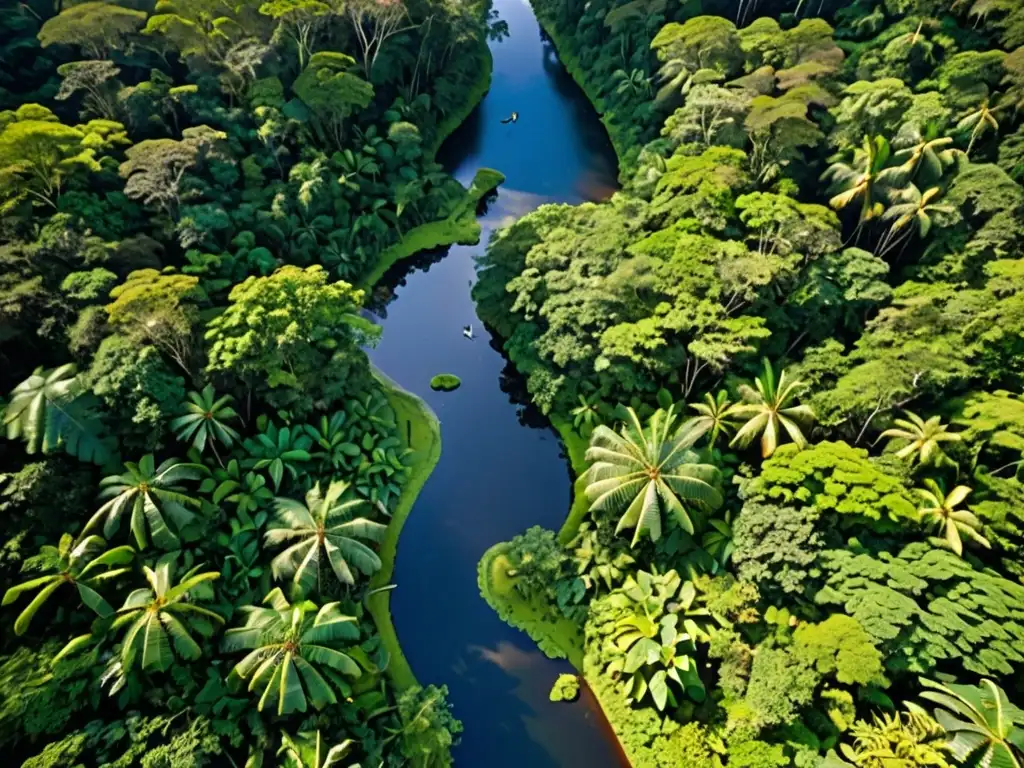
(292, 335)
(38, 155)
(98, 80)
(375, 22)
(155, 169)
(332, 93)
(299, 20)
(98, 28)
(161, 309)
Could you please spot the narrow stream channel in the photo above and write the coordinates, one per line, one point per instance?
(501, 469)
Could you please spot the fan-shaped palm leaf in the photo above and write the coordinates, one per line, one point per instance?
(940, 511)
(160, 620)
(717, 415)
(51, 410)
(647, 473)
(205, 421)
(923, 438)
(322, 529)
(979, 122)
(865, 179)
(163, 616)
(984, 728)
(152, 496)
(925, 157)
(85, 565)
(771, 414)
(307, 750)
(293, 658)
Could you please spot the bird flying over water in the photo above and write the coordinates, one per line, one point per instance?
(510, 119)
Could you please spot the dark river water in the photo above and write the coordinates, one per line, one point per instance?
(501, 469)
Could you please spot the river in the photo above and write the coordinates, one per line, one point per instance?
(501, 469)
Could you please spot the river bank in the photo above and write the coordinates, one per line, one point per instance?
(575, 69)
(421, 435)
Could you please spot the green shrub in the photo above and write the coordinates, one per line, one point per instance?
(566, 688)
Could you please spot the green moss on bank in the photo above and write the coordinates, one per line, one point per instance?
(460, 227)
(576, 448)
(421, 432)
(566, 688)
(559, 639)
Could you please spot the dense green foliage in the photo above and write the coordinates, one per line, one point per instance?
(197, 449)
(814, 256)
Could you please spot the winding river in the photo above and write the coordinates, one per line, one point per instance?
(502, 469)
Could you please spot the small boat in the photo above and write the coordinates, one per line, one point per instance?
(467, 331)
(510, 119)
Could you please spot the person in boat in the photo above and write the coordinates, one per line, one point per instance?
(510, 119)
(467, 331)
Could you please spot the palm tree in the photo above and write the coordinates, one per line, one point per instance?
(865, 179)
(588, 414)
(53, 410)
(914, 208)
(165, 615)
(151, 493)
(978, 122)
(85, 565)
(321, 529)
(983, 726)
(940, 511)
(205, 421)
(635, 82)
(293, 658)
(923, 438)
(716, 415)
(924, 157)
(769, 412)
(647, 473)
(307, 750)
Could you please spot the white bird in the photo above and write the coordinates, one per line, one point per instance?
(467, 331)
